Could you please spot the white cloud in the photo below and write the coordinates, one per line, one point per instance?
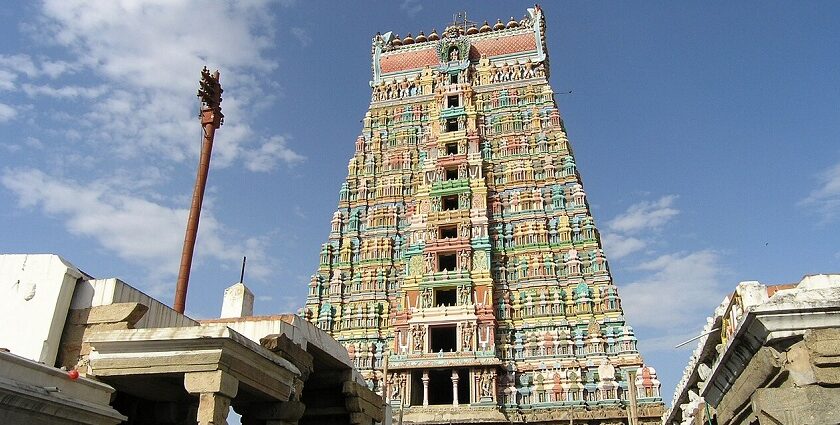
(138, 230)
(65, 92)
(289, 304)
(33, 142)
(302, 36)
(54, 69)
(11, 147)
(20, 64)
(271, 152)
(411, 7)
(825, 199)
(619, 246)
(668, 294)
(131, 69)
(645, 215)
(160, 44)
(147, 55)
(7, 79)
(676, 290)
(636, 228)
(135, 228)
(11, 66)
(7, 112)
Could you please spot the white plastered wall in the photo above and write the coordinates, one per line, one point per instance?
(35, 295)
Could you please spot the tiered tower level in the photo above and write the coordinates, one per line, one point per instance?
(464, 272)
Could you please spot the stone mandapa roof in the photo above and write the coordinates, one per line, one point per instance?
(813, 296)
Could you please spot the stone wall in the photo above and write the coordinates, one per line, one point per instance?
(794, 382)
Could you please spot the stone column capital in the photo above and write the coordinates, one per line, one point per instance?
(215, 381)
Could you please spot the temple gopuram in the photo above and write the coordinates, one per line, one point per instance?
(464, 272)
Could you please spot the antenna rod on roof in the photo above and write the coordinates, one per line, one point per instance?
(242, 275)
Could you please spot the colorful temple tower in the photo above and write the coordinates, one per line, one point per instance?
(463, 271)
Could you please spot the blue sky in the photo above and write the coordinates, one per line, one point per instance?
(706, 135)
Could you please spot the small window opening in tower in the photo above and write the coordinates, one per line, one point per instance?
(440, 386)
(451, 173)
(463, 386)
(447, 262)
(451, 124)
(445, 297)
(417, 388)
(449, 203)
(452, 149)
(448, 232)
(452, 101)
(453, 79)
(442, 338)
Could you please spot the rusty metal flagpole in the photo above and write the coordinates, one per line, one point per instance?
(210, 92)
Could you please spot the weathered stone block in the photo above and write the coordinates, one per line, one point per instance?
(811, 405)
(130, 313)
(283, 346)
(764, 365)
(824, 347)
(215, 381)
(351, 388)
(213, 409)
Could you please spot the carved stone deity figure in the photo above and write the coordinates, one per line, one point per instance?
(464, 295)
(467, 337)
(606, 371)
(404, 86)
(396, 383)
(464, 232)
(440, 80)
(486, 385)
(594, 329)
(479, 261)
(466, 260)
(453, 54)
(418, 334)
(463, 200)
(430, 262)
(435, 204)
(426, 298)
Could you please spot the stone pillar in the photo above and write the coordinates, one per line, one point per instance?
(213, 409)
(215, 390)
(364, 406)
(425, 388)
(454, 387)
(238, 301)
